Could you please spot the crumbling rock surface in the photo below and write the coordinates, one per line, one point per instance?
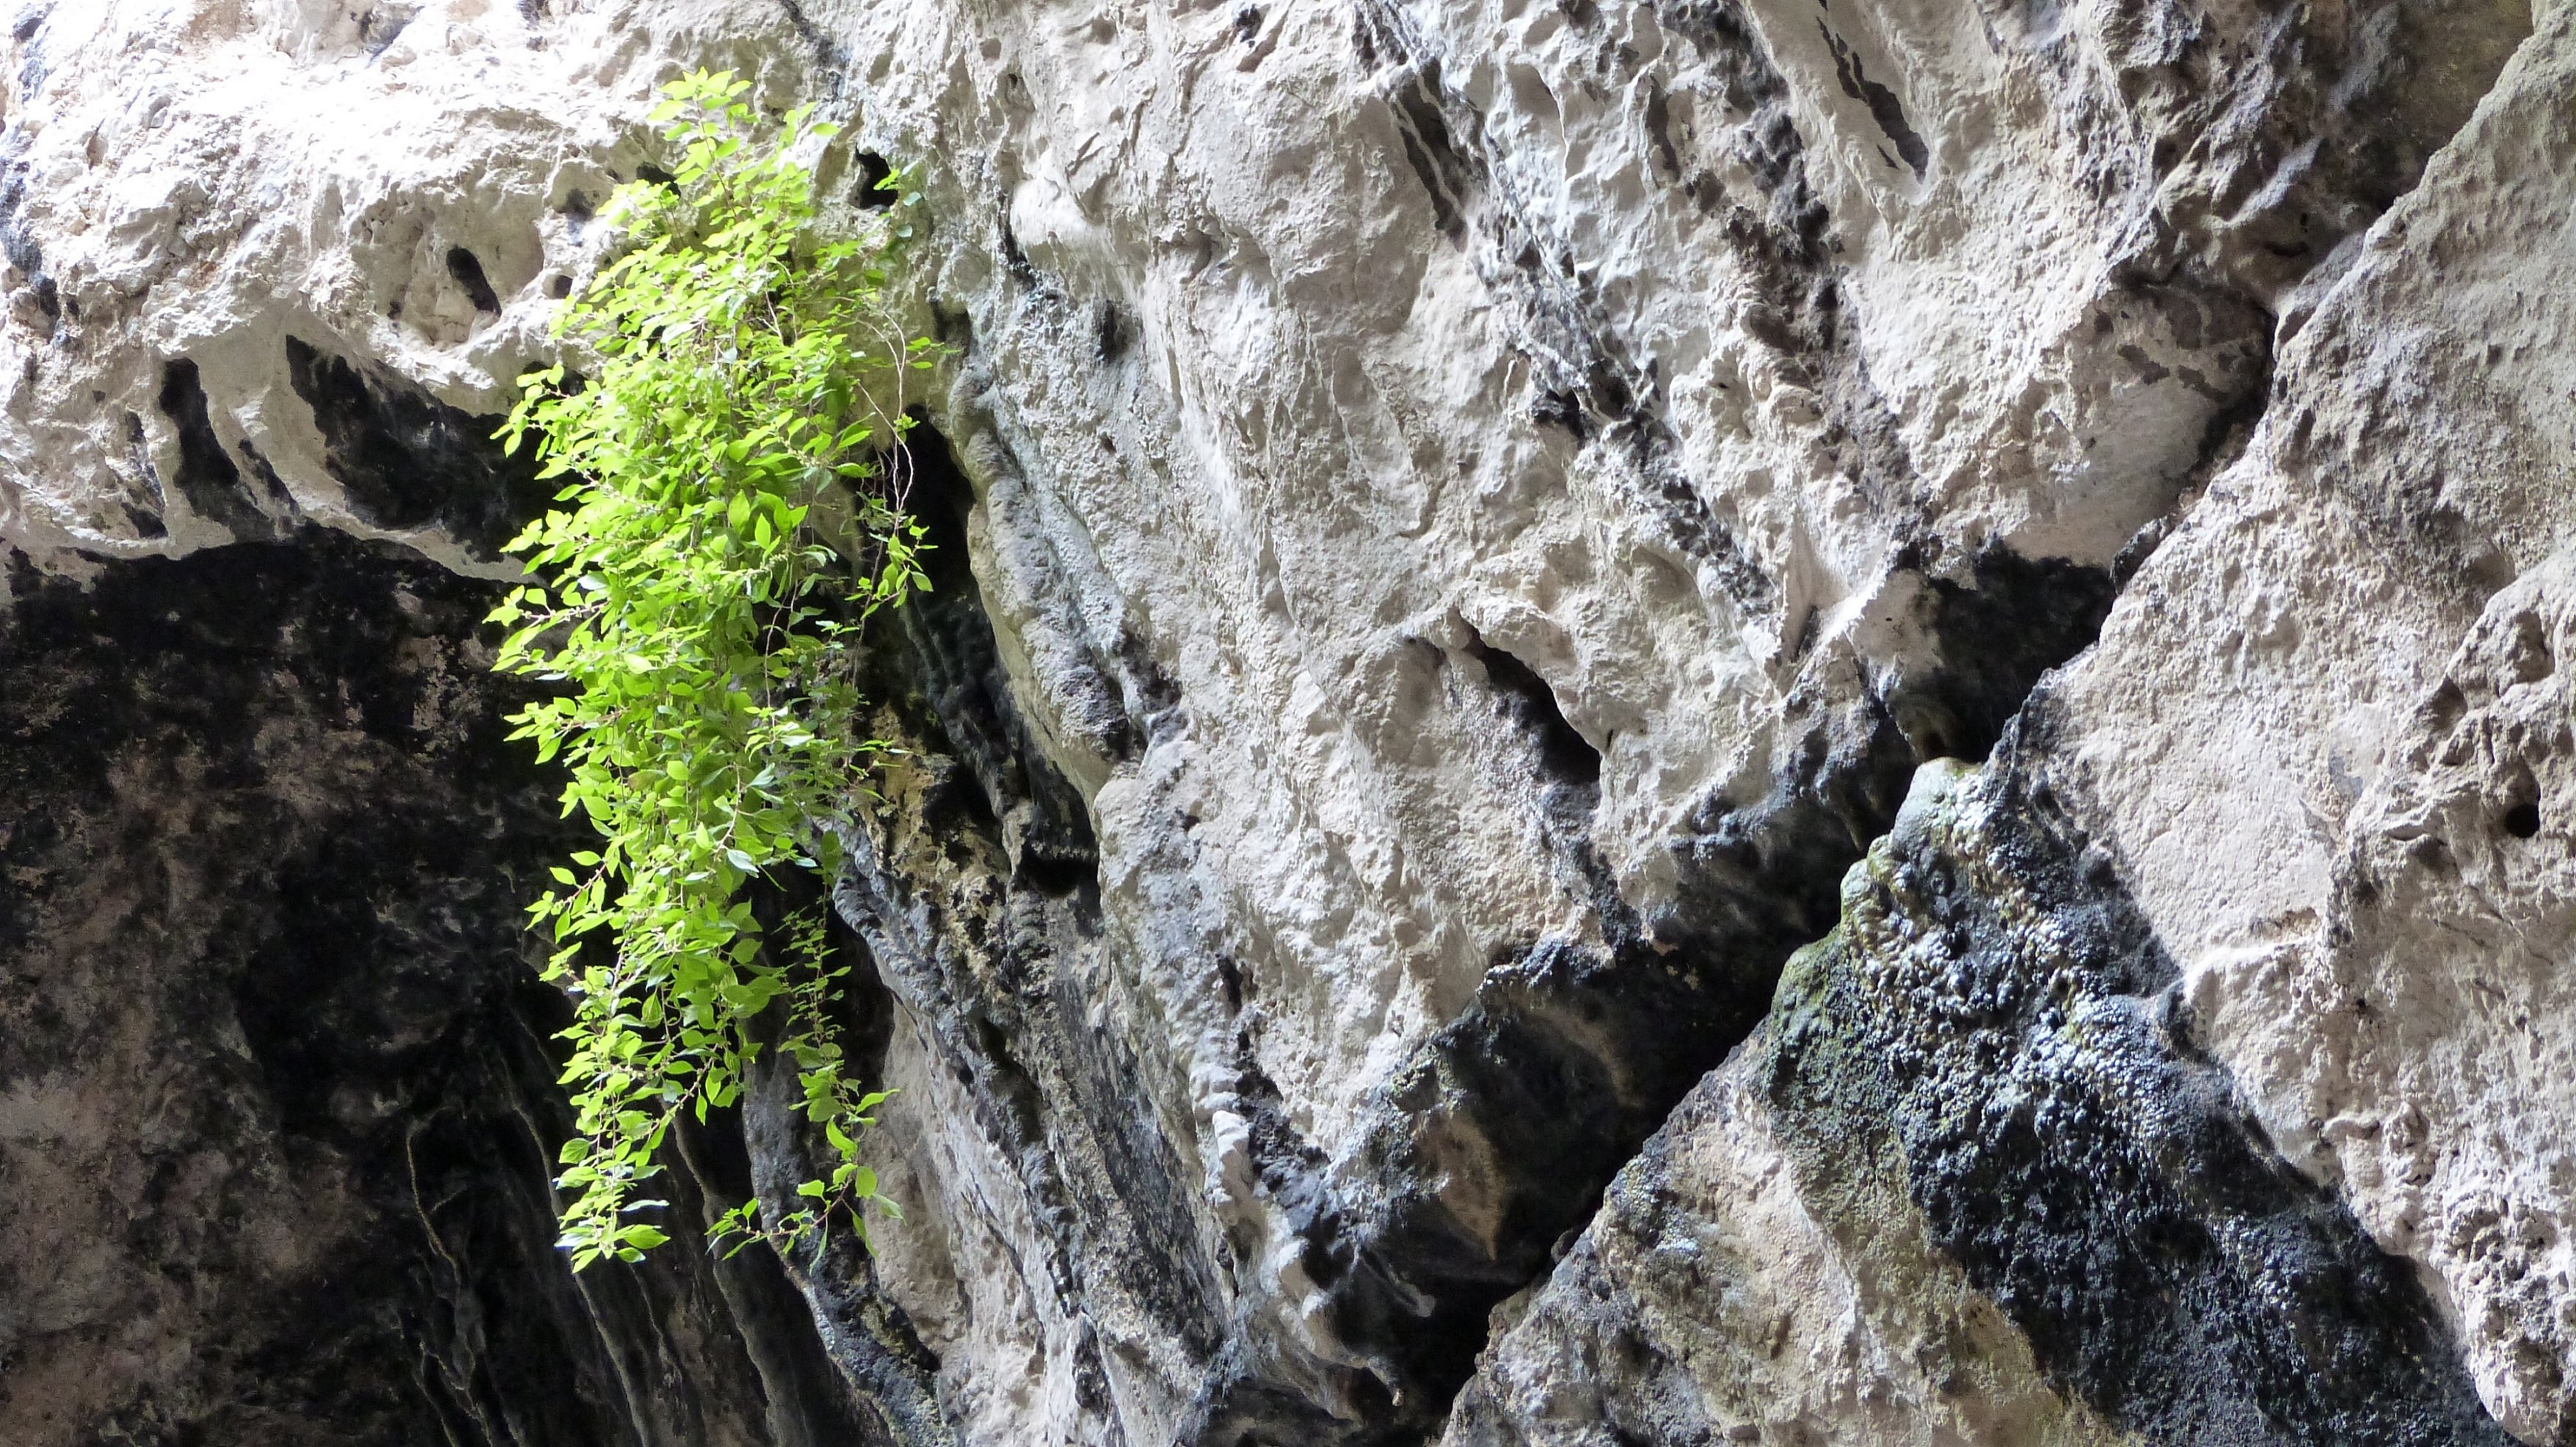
(1458, 528)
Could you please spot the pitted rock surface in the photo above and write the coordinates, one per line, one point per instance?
(1458, 524)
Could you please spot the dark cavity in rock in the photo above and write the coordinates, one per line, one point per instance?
(467, 269)
(208, 478)
(1884, 107)
(409, 460)
(276, 774)
(872, 193)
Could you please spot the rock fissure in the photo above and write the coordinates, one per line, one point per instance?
(1398, 915)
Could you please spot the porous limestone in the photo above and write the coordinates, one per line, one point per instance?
(1457, 525)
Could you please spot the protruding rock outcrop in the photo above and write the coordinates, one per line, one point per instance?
(1458, 528)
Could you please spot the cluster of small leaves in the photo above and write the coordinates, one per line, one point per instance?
(725, 532)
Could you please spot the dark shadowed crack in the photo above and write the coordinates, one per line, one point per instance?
(409, 460)
(977, 898)
(381, 24)
(18, 244)
(831, 57)
(1884, 107)
(1573, 1052)
(768, 1146)
(208, 477)
(467, 270)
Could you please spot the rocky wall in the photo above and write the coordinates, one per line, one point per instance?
(1458, 528)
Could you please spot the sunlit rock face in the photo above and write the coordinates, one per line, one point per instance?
(1461, 529)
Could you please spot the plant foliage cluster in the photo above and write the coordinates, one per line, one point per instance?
(725, 531)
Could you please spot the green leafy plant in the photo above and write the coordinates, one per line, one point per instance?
(725, 533)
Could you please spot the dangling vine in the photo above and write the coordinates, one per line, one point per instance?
(725, 532)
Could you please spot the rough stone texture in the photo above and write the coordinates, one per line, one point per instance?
(276, 1098)
(1724, 1296)
(2369, 707)
(1458, 525)
(1992, 1008)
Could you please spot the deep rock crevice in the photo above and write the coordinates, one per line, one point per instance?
(410, 461)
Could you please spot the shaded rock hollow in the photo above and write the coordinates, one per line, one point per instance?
(1460, 529)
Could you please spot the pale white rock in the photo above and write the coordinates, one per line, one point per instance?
(2309, 725)
(1718, 1298)
(1396, 385)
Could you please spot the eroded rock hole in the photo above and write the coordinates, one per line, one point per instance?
(382, 25)
(2010, 621)
(208, 477)
(468, 272)
(953, 681)
(2522, 821)
(1110, 341)
(874, 171)
(409, 460)
(1565, 757)
(1561, 409)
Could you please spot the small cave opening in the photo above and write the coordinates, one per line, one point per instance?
(409, 460)
(1566, 758)
(1110, 334)
(872, 194)
(2522, 821)
(2010, 622)
(208, 476)
(943, 671)
(467, 269)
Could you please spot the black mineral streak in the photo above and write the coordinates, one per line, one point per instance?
(2101, 1180)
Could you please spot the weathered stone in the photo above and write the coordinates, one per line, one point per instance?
(1457, 526)
(276, 1095)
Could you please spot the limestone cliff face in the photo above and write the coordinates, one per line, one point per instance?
(1672, 723)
